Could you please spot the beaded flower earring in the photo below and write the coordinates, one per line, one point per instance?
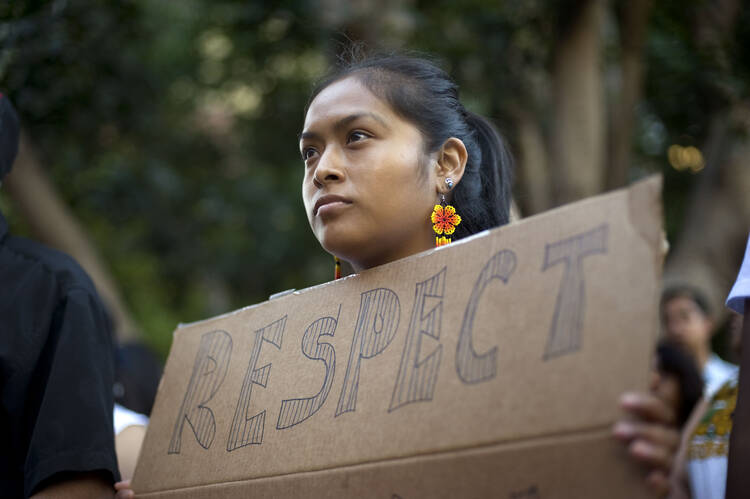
(444, 219)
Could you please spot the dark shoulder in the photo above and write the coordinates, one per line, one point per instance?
(24, 258)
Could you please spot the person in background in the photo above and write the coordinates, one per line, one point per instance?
(701, 465)
(137, 375)
(687, 321)
(56, 366)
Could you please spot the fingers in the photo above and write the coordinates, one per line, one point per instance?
(651, 454)
(649, 443)
(123, 490)
(657, 434)
(658, 482)
(125, 484)
(648, 407)
(651, 436)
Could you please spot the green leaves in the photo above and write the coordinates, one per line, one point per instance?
(171, 127)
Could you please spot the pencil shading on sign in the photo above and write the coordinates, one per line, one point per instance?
(209, 369)
(246, 431)
(567, 324)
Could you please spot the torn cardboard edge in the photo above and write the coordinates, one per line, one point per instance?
(436, 369)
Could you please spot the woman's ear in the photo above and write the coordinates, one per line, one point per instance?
(451, 162)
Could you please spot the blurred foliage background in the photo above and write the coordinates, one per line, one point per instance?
(167, 131)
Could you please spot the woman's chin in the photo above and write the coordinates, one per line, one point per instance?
(341, 250)
(346, 247)
(363, 250)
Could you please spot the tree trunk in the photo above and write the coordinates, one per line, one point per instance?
(384, 24)
(578, 127)
(533, 169)
(633, 24)
(709, 250)
(53, 224)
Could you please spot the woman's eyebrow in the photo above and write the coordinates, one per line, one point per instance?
(343, 122)
(308, 135)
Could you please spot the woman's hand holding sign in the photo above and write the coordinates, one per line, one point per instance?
(651, 434)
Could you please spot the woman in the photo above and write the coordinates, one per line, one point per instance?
(380, 142)
(384, 141)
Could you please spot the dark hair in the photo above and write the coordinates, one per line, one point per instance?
(674, 360)
(422, 93)
(137, 375)
(689, 292)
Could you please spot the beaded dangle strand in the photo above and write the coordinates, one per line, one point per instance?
(337, 271)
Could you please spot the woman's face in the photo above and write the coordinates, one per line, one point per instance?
(686, 324)
(368, 188)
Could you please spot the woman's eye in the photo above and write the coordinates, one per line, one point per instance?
(307, 153)
(356, 137)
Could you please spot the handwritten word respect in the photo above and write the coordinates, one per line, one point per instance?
(376, 326)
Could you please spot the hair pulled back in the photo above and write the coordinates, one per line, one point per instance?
(423, 94)
(686, 291)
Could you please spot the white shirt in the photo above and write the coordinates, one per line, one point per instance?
(716, 372)
(741, 288)
(709, 445)
(124, 417)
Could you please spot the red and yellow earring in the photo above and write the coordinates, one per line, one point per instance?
(337, 271)
(444, 219)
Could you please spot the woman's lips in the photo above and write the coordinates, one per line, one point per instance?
(329, 203)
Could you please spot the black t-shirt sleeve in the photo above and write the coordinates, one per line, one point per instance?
(73, 429)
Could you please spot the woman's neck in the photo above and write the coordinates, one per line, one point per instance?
(412, 247)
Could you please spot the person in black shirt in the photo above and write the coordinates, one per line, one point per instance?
(56, 366)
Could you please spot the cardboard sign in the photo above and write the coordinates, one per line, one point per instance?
(487, 368)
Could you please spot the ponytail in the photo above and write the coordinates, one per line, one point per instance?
(483, 195)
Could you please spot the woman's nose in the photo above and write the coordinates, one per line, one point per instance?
(329, 168)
